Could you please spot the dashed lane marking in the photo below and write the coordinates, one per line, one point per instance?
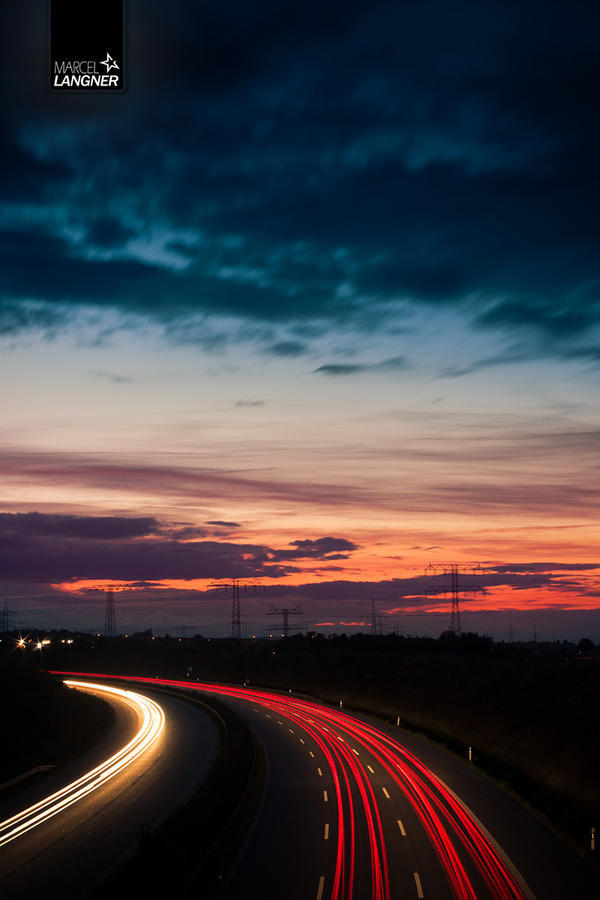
(401, 827)
(320, 888)
(326, 835)
(418, 885)
(386, 793)
(325, 797)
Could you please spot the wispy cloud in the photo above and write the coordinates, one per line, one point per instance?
(111, 376)
(341, 369)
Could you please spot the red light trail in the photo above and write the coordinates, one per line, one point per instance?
(452, 830)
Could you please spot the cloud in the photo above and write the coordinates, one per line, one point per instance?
(287, 348)
(509, 358)
(52, 548)
(111, 376)
(49, 548)
(389, 187)
(21, 527)
(175, 483)
(250, 403)
(542, 567)
(224, 524)
(339, 369)
(326, 548)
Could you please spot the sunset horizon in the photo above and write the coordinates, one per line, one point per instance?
(311, 304)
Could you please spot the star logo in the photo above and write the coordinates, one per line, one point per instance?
(109, 63)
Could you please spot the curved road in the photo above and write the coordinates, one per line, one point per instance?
(70, 854)
(353, 812)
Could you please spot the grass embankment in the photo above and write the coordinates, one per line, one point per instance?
(44, 722)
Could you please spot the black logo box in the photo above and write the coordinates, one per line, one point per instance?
(86, 31)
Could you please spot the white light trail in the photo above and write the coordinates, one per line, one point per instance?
(153, 720)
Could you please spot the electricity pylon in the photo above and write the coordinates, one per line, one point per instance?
(110, 622)
(454, 589)
(376, 618)
(286, 613)
(236, 617)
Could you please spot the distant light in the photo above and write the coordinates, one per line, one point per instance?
(38, 646)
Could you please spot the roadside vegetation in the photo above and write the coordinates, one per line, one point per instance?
(43, 722)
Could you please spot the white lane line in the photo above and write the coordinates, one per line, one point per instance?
(355, 751)
(291, 730)
(371, 770)
(419, 886)
(326, 835)
(325, 797)
(301, 741)
(386, 793)
(311, 754)
(320, 888)
(268, 716)
(279, 722)
(401, 827)
(319, 771)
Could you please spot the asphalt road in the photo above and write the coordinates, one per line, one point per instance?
(393, 854)
(354, 808)
(70, 854)
(292, 826)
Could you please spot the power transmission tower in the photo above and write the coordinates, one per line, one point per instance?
(286, 613)
(376, 618)
(236, 616)
(110, 622)
(454, 589)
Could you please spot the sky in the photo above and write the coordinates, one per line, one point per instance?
(312, 304)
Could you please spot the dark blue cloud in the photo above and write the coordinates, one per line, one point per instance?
(313, 163)
(340, 369)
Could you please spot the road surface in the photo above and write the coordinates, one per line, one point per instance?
(71, 853)
(354, 810)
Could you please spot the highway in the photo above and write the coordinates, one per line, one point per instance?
(69, 850)
(352, 812)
